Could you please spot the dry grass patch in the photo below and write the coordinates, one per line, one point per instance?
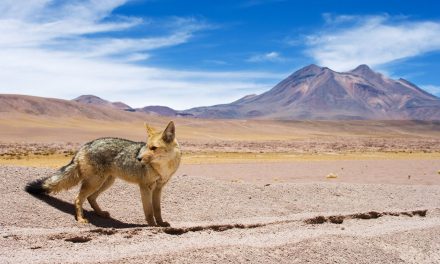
(58, 160)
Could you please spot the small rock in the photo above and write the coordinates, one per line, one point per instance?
(36, 247)
(332, 176)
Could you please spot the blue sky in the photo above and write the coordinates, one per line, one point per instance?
(191, 53)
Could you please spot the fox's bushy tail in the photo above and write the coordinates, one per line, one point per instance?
(65, 178)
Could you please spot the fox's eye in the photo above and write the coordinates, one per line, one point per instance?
(153, 147)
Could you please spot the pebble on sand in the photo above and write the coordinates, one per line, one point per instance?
(332, 176)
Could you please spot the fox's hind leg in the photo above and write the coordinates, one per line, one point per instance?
(92, 198)
(88, 187)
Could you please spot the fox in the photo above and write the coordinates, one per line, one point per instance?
(98, 163)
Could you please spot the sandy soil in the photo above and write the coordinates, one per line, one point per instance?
(284, 212)
(386, 171)
(248, 191)
(43, 129)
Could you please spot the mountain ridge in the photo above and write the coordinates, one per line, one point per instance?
(315, 92)
(95, 100)
(310, 93)
(60, 108)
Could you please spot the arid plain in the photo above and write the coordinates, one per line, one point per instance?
(247, 191)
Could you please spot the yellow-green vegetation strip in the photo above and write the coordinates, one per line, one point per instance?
(57, 160)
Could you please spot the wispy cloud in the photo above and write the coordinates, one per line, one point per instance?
(432, 89)
(347, 41)
(67, 48)
(270, 56)
(70, 27)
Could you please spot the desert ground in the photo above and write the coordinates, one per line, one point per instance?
(246, 192)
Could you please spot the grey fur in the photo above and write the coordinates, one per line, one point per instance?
(98, 163)
(105, 153)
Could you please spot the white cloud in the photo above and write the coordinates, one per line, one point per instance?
(114, 46)
(61, 75)
(270, 56)
(372, 40)
(63, 49)
(432, 89)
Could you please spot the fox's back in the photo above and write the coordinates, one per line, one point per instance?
(106, 154)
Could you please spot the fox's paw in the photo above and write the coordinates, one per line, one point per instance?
(163, 224)
(83, 221)
(103, 214)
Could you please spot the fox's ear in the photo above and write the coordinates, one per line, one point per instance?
(150, 130)
(169, 133)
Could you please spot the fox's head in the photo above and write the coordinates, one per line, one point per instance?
(161, 146)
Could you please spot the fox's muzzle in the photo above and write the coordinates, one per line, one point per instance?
(144, 158)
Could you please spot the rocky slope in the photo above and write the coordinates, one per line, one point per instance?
(95, 100)
(315, 92)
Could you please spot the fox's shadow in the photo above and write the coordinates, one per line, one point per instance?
(95, 220)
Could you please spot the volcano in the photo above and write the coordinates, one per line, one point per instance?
(315, 92)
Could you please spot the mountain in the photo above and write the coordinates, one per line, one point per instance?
(315, 92)
(153, 109)
(157, 109)
(312, 92)
(97, 101)
(50, 107)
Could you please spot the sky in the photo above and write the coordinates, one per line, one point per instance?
(192, 53)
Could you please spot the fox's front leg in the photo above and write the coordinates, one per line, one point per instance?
(147, 202)
(156, 206)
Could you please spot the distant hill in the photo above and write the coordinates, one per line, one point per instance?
(157, 109)
(315, 92)
(153, 109)
(97, 101)
(50, 107)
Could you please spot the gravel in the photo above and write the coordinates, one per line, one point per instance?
(217, 219)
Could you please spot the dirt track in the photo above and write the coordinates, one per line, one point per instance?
(236, 219)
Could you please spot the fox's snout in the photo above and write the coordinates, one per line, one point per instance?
(144, 157)
(141, 157)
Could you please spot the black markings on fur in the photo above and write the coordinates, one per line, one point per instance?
(64, 168)
(103, 152)
(36, 187)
